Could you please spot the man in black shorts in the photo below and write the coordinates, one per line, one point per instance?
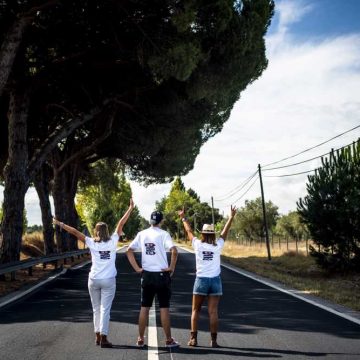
(156, 274)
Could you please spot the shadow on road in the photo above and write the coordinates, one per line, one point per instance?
(247, 306)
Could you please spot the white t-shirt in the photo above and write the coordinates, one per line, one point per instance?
(103, 255)
(207, 257)
(153, 243)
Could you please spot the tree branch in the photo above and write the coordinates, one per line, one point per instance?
(12, 40)
(33, 11)
(53, 139)
(86, 150)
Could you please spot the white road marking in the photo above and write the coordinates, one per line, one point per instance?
(293, 293)
(10, 298)
(153, 351)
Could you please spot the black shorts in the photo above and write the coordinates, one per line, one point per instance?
(155, 283)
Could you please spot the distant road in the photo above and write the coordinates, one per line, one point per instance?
(257, 322)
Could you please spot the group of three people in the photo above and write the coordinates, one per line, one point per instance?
(155, 273)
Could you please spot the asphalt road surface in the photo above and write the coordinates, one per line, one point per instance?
(256, 322)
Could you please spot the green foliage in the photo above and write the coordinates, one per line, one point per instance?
(331, 210)
(34, 228)
(104, 196)
(249, 219)
(197, 212)
(292, 226)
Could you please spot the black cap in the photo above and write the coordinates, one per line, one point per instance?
(156, 217)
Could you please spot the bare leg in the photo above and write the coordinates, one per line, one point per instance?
(213, 303)
(197, 302)
(143, 320)
(165, 322)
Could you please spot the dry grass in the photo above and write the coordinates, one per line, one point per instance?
(32, 246)
(296, 270)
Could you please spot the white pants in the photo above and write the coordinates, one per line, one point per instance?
(102, 292)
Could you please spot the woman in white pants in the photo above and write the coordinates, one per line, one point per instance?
(102, 284)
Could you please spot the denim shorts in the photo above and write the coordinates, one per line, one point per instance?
(208, 286)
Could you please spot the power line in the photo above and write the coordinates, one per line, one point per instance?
(238, 188)
(299, 173)
(313, 147)
(248, 189)
(305, 161)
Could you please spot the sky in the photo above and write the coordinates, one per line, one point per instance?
(308, 94)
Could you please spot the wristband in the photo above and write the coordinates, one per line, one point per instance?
(183, 219)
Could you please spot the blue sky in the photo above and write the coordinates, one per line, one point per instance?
(326, 18)
(308, 94)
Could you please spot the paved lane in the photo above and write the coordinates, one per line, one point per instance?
(256, 322)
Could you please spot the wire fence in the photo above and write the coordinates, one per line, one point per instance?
(283, 243)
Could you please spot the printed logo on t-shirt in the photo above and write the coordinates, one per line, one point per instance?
(104, 255)
(208, 255)
(150, 249)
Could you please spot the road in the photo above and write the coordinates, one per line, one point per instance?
(257, 322)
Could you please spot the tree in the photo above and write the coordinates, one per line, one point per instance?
(249, 219)
(184, 62)
(104, 196)
(291, 225)
(331, 209)
(197, 212)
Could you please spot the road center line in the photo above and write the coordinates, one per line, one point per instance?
(153, 351)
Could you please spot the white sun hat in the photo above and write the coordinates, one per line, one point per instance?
(208, 229)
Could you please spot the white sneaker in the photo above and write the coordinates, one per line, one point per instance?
(171, 343)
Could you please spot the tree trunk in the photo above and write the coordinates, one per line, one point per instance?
(9, 49)
(16, 177)
(64, 191)
(41, 182)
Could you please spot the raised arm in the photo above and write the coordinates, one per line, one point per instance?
(70, 230)
(186, 224)
(125, 217)
(227, 226)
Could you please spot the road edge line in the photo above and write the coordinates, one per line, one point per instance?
(28, 291)
(12, 297)
(288, 292)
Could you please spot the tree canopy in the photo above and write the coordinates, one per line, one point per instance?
(104, 196)
(197, 212)
(144, 82)
(249, 219)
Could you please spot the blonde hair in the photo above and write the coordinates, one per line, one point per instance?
(101, 232)
(208, 238)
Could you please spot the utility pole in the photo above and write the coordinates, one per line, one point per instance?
(212, 211)
(195, 222)
(264, 214)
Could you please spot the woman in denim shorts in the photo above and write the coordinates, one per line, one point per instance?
(208, 281)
